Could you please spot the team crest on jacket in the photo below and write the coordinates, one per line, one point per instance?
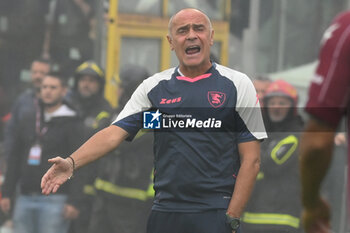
(216, 98)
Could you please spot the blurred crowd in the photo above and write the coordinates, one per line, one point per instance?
(50, 119)
(42, 116)
(40, 36)
(54, 39)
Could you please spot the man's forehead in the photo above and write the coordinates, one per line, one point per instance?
(51, 79)
(189, 17)
(88, 77)
(39, 63)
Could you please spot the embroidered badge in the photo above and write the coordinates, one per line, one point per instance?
(216, 98)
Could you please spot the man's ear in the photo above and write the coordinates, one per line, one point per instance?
(212, 37)
(170, 40)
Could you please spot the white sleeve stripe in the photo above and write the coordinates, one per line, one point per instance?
(247, 105)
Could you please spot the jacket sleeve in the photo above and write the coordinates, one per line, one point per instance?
(14, 162)
(13, 148)
(10, 129)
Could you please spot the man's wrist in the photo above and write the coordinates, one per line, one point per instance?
(72, 162)
(234, 222)
(233, 214)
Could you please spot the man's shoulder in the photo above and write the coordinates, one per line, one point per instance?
(25, 97)
(237, 77)
(163, 75)
(23, 103)
(343, 17)
(337, 34)
(230, 73)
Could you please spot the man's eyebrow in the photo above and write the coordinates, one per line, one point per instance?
(190, 25)
(183, 27)
(198, 25)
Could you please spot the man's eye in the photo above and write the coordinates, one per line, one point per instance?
(181, 31)
(199, 29)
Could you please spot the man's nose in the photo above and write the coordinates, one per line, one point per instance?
(191, 35)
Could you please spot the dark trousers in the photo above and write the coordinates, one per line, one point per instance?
(119, 215)
(213, 221)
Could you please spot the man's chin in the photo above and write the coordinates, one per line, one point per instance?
(277, 119)
(50, 103)
(86, 95)
(192, 63)
(195, 61)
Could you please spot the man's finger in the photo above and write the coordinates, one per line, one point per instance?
(55, 188)
(51, 187)
(48, 189)
(43, 181)
(47, 185)
(45, 190)
(54, 160)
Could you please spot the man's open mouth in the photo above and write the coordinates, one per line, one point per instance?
(193, 49)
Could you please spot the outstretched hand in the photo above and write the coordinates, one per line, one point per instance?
(60, 172)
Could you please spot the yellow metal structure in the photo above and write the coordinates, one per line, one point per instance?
(112, 64)
(121, 25)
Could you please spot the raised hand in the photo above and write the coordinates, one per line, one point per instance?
(60, 172)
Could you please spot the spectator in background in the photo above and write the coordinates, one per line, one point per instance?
(261, 83)
(124, 184)
(25, 103)
(50, 127)
(68, 39)
(87, 96)
(275, 204)
(95, 112)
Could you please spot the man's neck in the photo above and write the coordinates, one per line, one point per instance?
(193, 72)
(52, 108)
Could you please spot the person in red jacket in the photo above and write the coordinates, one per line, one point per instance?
(329, 102)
